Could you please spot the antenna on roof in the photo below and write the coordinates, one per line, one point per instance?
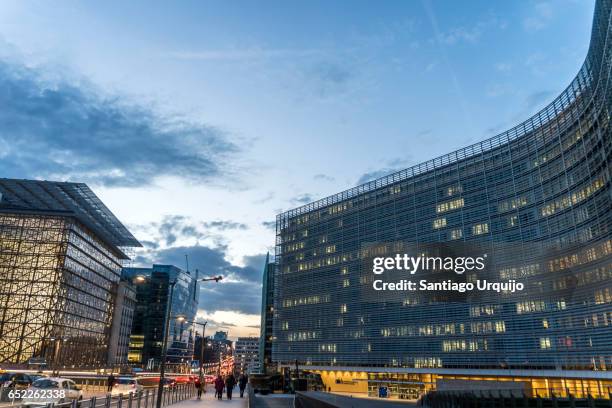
(187, 262)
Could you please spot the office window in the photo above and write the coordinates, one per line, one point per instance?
(479, 229)
(439, 223)
(456, 233)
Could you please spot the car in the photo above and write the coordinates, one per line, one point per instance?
(52, 390)
(183, 379)
(169, 382)
(126, 386)
(37, 376)
(15, 380)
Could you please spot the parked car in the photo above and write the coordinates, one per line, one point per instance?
(15, 380)
(53, 390)
(127, 385)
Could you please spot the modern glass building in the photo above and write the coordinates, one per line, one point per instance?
(542, 186)
(60, 256)
(152, 297)
(267, 317)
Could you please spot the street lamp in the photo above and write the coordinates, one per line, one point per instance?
(162, 365)
(183, 319)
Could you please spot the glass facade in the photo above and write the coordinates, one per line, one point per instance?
(61, 251)
(149, 316)
(56, 297)
(267, 317)
(543, 185)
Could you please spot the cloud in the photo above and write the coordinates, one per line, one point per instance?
(62, 130)
(472, 33)
(243, 54)
(329, 78)
(236, 323)
(178, 229)
(302, 199)
(224, 225)
(393, 165)
(373, 175)
(271, 225)
(240, 289)
(503, 67)
(209, 261)
(323, 177)
(539, 17)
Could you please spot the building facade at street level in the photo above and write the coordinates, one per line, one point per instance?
(267, 318)
(123, 318)
(542, 186)
(60, 259)
(246, 355)
(152, 296)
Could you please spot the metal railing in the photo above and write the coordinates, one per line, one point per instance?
(485, 399)
(142, 399)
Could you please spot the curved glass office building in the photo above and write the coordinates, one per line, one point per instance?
(542, 187)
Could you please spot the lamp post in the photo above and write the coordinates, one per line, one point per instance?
(162, 365)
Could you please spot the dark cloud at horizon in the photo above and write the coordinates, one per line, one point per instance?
(65, 131)
(239, 291)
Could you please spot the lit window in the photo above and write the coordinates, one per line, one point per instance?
(479, 229)
(439, 223)
(346, 283)
(454, 190)
(450, 205)
(343, 308)
(456, 234)
(513, 221)
(344, 270)
(545, 323)
(544, 343)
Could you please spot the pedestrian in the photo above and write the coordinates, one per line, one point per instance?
(219, 384)
(242, 383)
(110, 381)
(198, 385)
(230, 382)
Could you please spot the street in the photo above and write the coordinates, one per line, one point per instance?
(209, 400)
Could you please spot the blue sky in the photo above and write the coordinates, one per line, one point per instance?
(197, 122)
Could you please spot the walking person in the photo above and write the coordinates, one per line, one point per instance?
(198, 385)
(110, 381)
(230, 382)
(219, 384)
(242, 383)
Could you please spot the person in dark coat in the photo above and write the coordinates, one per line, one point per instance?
(242, 383)
(110, 381)
(219, 384)
(198, 385)
(230, 382)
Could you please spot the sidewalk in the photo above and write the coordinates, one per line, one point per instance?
(209, 400)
